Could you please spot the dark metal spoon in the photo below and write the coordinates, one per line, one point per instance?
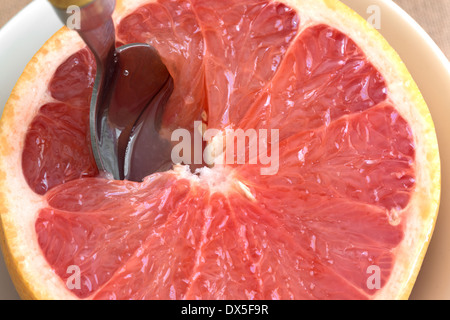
(131, 88)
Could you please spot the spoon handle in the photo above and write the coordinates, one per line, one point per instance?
(95, 24)
(64, 4)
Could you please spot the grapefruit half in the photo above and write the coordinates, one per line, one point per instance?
(348, 214)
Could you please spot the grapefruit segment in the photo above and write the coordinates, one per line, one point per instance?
(162, 268)
(366, 157)
(173, 29)
(323, 77)
(356, 187)
(77, 73)
(56, 147)
(99, 238)
(245, 44)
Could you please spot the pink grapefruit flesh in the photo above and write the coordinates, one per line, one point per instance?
(347, 165)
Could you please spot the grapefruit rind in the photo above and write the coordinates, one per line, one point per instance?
(19, 205)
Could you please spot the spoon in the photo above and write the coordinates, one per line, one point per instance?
(131, 88)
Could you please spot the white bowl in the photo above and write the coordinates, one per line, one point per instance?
(431, 70)
(28, 31)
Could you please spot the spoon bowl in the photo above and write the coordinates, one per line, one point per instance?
(130, 80)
